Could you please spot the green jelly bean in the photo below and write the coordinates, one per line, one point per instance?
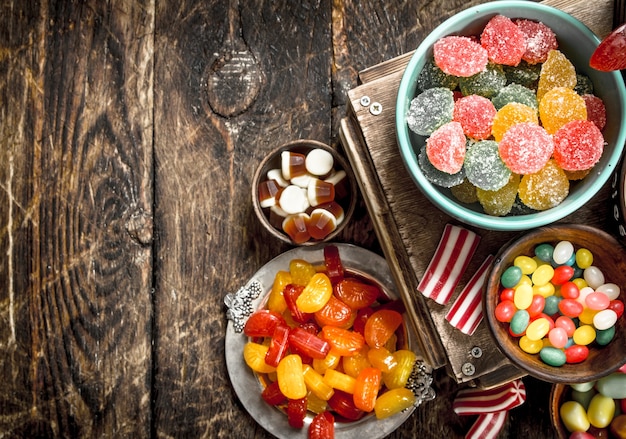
(552, 356)
(520, 321)
(574, 416)
(552, 305)
(584, 398)
(604, 336)
(601, 411)
(583, 387)
(544, 252)
(511, 276)
(613, 385)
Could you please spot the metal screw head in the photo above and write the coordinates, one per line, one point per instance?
(365, 101)
(376, 108)
(468, 369)
(476, 352)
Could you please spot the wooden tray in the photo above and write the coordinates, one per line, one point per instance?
(409, 227)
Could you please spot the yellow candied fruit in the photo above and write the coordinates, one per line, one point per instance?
(511, 114)
(301, 271)
(276, 300)
(544, 189)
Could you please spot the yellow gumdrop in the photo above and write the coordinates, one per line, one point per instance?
(560, 106)
(544, 189)
(584, 335)
(530, 346)
(500, 202)
(465, 192)
(525, 263)
(511, 114)
(542, 275)
(556, 71)
(584, 258)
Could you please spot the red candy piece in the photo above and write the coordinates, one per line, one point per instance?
(578, 145)
(475, 114)
(539, 40)
(525, 148)
(445, 147)
(459, 56)
(609, 55)
(596, 111)
(576, 354)
(504, 41)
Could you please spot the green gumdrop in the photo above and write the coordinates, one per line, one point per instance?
(520, 321)
(613, 385)
(544, 252)
(484, 168)
(511, 276)
(552, 356)
(523, 74)
(486, 83)
(435, 176)
(515, 93)
(430, 110)
(432, 76)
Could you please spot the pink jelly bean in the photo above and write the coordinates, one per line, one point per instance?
(526, 148)
(557, 337)
(445, 147)
(567, 324)
(504, 41)
(460, 56)
(597, 301)
(578, 145)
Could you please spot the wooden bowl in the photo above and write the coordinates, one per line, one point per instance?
(557, 397)
(273, 161)
(609, 256)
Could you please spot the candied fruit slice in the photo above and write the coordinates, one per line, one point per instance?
(429, 110)
(465, 192)
(596, 111)
(434, 175)
(486, 83)
(557, 71)
(609, 55)
(431, 76)
(525, 148)
(504, 41)
(475, 114)
(544, 189)
(446, 148)
(540, 40)
(515, 93)
(484, 168)
(560, 106)
(510, 115)
(500, 202)
(578, 145)
(459, 56)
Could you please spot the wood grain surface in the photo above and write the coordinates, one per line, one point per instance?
(129, 133)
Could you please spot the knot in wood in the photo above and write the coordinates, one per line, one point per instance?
(233, 83)
(139, 226)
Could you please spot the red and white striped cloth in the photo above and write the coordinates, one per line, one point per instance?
(453, 253)
(491, 406)
(466, 312)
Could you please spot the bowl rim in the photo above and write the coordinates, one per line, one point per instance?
(432, 192)
(303, 144)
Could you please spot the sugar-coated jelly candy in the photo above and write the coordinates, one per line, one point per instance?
(446, 147)
(319, 192)
(435, 176)
(512, 114)
(475, 114)
(559, 106)
(583, 84)
(576, 354)
(431, 76)
(540, 40)
(267, 193)
(321, 223)
(319, 162)
(504, 41)
(601, 410)
(501, 201)
(596, 110)
(556, 71)
(293, 199)
(544, 189)
(486, 83)
(563, 250)
(574, 416)
(292, 164)
(465, 192)
(459, 56)
(429, 110)
(552, 356)
(524, 74)
(515, 93)
(578, 145)
(525, 148)
(296, 227)
(484, 168)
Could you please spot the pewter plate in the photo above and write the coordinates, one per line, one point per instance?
(254, 296)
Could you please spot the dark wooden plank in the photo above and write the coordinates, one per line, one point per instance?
(75, 206)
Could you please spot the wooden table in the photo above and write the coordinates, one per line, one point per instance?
(129, 135)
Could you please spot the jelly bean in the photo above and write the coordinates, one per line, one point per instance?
(505, 310)
(525, 263)
(601, 410)
(618, 426)
(511, 276)
(610, 289)
(570, 307)
(507, 294)
(544, 252)
(544, 290)
(523, 296)
(519, 322)
(530, 346)
(597, 301)
(583, 387)
(593, 276)
(583, 293)
(569, 290)
(576, 354)
(538, 329)
(557, 337)
(584, 335)
(524, 280)
(584, 398)
(536, 306)
(613, 385)
(552, 356)
(605, 319)
(574, 416)
(570, 342)
(578, 272)
(605, 336)
(581, 435)
(580, 282)
(584, 258)
(562, 252)
(617, 306)
(552, 305)
(622, 402)
(562, 274)
(542, 275)
(567, 324)
(586, 317)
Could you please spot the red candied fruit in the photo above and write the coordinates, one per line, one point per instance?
(596, 111)
(445, 147)
(525, 148)
(504, 41)
(539, 40)
(578, 145)
(475, 114)
(459, 56)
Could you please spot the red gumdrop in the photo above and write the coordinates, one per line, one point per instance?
(576, 354)
(459, 56)
(540, 40)
(569, 290)
(567, 324)
(526, 148)
(504, 41)
(536, 306)
(562, 274)
(570, 307)
(578, 145)
(507, 294)
(617, 306)
(475, 114)
(445, 147)
(596, 111)
(505, 310)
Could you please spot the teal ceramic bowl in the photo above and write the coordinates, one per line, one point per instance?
(577, 42)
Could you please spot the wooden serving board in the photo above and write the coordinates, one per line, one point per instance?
(409, 227)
